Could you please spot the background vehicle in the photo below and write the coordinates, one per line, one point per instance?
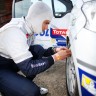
(47, 39)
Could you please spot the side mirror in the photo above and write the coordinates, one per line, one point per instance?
(61, 7)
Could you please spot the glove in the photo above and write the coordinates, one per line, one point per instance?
(62, 54)
(57, 49)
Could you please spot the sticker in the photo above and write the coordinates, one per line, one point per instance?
(89, 84)
(51, 38)
(59, 32)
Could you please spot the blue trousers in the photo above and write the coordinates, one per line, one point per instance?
(14, 84)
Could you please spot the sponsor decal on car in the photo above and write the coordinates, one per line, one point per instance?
(88, 83)
(51, 37)
(59, 35)
(59, 32)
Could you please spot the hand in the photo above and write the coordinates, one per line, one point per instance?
(60, 48)
(62, 54)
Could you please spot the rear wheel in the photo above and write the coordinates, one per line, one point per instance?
(71, 79)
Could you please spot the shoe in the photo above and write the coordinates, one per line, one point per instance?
(43, 91)
(1, 94)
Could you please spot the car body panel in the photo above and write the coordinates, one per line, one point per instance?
(83, 48)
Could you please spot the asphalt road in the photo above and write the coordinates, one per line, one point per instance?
(54, 79)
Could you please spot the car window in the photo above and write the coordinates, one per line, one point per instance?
(21, 6)
(61, 7)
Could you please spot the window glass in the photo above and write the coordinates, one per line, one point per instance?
(22, 6)
(60, 8)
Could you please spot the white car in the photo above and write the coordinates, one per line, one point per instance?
(81, 66)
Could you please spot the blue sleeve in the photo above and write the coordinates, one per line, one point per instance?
(33, 67)
(42, 51)
(48, 52)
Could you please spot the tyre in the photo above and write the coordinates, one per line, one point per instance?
(71, 79)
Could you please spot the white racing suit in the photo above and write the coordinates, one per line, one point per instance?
(15, 41)
(18, 52)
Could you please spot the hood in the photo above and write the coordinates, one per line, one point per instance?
(38, 12)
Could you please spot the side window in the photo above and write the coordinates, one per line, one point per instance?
(59, 7)
(65, 6)
(20, 7)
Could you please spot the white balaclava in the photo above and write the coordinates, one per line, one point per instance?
(37, 13)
